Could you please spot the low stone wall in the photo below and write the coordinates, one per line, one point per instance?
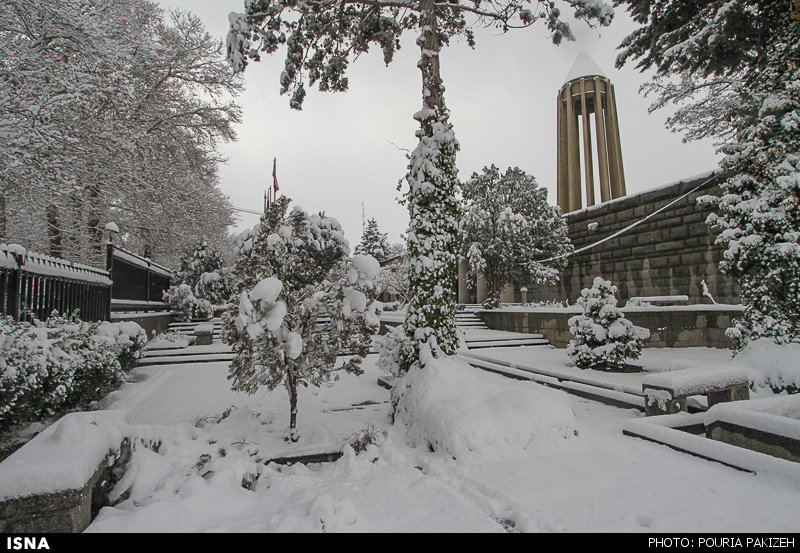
(59, 480)
(674, 327)
(152, 323)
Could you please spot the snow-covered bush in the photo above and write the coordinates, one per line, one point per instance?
(186, 305)
(457, 409)
(60, 363)
(301, 303)
(389, 348)
(604, 338)
(128, 337)
(772, 366)
(393, 280)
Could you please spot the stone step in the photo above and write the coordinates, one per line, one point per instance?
(185, 359)
(507, 343)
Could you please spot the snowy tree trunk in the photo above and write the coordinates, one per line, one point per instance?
(291, 384)
(433, 238)
(2, 218)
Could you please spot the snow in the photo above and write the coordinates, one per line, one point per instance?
(267, 290)
(584, 66)
(111, 227)
(597, 481)
(772, 365)
(458, 409)
(366, 266)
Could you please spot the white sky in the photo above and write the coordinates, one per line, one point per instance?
(343, 148)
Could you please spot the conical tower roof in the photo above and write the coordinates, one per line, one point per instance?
(584, 66)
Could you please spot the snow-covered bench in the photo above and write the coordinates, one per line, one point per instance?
(666, 393)
(659, 300)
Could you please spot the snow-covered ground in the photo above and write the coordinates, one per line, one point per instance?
(203, 476)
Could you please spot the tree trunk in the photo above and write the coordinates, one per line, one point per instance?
(434, 213)
(291, 383)
(54, 232)
(2, 218)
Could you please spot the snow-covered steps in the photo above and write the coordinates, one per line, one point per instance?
(478, 338)
(594, 390)
(188, 328)
(190, 354)
(182, 360)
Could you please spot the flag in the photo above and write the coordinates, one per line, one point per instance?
(274, 174)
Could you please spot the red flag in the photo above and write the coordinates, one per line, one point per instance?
(274, 174)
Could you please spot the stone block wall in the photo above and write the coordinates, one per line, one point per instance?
(677, 327)
(671, 253)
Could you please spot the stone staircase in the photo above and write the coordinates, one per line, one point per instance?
(478, 336)
(217, 351)
(187, 328)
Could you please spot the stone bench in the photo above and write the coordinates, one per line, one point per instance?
(659, 300)
(666, 393)
(60, 479)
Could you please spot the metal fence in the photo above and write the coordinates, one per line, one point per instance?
(139, 283)
(33, 285)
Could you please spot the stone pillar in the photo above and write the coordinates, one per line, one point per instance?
(573, 154)
(614, 146)
(483, 290)
(463, 289)
(507, 293)
(587, 146)
(602, 143)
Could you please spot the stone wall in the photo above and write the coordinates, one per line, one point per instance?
(676, 327)
(671, 253)
(152, 323)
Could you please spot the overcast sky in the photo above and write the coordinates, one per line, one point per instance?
(346, 148)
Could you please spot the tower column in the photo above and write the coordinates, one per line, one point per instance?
(573, 153)
(602, 144)
(614, 146)
(563, 183)
(587, 147)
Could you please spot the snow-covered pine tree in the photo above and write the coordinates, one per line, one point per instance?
(509, 229)
(604, 338)
(322, 37)
(201, 282)
(373, 241)
(301, 303)
(758, 214)
(734, 67)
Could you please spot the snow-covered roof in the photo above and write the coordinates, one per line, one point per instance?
(584, 66)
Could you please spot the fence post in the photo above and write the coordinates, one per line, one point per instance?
(19, 258)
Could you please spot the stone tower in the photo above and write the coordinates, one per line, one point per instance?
(587, 91)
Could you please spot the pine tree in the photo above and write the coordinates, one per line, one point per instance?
(321, 37)
(604, 338)
(758, 214)
(373, 242)
(301, 303)
(734, 67)
(509, 229)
